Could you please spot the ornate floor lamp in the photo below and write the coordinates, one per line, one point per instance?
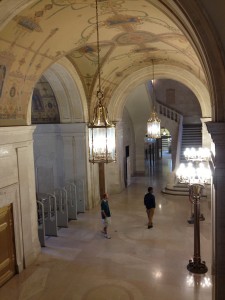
(196, 177)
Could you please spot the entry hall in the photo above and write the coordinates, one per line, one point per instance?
(106, 96)
(136, 263)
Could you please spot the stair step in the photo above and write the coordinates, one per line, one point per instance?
(174, 192)
(177, 187)
(178, 191)
(191, 137)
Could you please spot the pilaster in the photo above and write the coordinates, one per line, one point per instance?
(206, 139)
(217, 131)
(114, 172)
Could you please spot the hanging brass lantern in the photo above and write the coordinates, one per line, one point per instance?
(102, 133)
(153, 124)
(102, 145)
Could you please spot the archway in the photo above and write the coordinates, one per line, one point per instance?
(118, 99)
(60, 150)
(35, 39)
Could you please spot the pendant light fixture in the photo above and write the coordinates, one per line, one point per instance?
(102, 145)
(153, 124)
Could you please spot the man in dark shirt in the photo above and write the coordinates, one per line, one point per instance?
(149, 202)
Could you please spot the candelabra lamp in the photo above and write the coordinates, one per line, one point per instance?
(196, 175)
(196, 265)
(196, 156)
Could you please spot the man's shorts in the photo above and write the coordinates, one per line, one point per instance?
(106, 221)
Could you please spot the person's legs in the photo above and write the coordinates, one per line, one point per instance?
(148, 214)
(105, 228)
(151, 214)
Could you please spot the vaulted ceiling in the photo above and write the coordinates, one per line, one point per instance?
(132, 35)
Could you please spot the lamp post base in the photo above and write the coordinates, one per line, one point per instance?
(191, 220)
(197, 267)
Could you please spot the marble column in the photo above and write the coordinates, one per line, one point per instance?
(217, 131)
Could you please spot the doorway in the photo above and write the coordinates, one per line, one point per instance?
(7, 249)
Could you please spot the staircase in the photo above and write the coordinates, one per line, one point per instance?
(191, 137)
(165, 144)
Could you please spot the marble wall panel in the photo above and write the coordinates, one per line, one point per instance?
(60, 155)
(17, 188)
(8, 166)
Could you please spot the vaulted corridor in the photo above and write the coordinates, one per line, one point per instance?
(136, 263)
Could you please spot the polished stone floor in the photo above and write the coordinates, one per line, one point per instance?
(135, 264)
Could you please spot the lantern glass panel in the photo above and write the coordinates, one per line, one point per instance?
(102, 144)
(153, 129)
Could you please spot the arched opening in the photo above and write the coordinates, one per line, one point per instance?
(61, 174)
(33, 37)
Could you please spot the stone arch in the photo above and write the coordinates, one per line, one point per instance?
(196, 25)
(12, 9)
(68, 91)
(118, 99)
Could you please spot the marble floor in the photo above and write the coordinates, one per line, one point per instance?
(135, 264)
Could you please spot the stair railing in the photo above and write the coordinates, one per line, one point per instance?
(167, 112)
(161, 108)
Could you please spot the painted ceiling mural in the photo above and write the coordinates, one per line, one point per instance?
(44, 108)
(132, 34)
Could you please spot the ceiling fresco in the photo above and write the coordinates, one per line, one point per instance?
(132, 34)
